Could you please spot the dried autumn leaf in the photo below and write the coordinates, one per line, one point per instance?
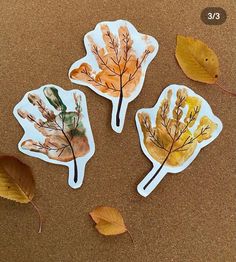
(197, 60)
(17, 182)
(108, 221)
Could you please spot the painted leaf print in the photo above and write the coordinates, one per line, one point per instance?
(115, 64)
(173, 132)
(55, 132)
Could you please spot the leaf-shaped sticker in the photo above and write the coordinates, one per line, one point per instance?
(57, 129)
(115, 65)
(17, 182)
(173, 132)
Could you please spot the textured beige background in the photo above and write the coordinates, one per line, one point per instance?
(190, 216)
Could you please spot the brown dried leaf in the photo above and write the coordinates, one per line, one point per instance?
(17, 182)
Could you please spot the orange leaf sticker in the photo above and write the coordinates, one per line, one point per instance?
(115, 65)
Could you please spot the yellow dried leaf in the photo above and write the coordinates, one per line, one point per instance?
(197, 60)
(16, 180)
(108, 221)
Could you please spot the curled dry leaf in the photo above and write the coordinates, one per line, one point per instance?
(198, 61)
(109, 221)
(17, 182)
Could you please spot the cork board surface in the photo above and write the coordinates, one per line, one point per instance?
(191, 215)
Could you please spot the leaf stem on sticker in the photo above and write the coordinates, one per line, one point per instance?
(74, 158)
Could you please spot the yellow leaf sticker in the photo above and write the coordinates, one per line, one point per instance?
(108, 221)
(197, 60)
(173, 132)
(17, 182)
